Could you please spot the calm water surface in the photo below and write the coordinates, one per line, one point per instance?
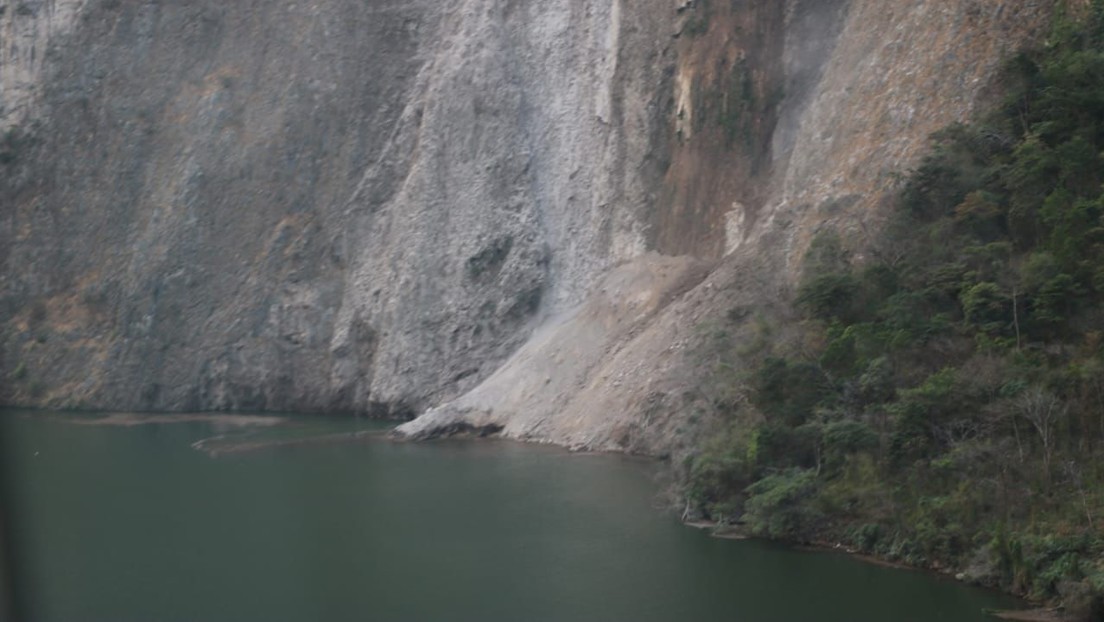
(134, 523)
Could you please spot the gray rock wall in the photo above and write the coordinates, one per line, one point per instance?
(864, 83)
(27, 28)
(342, 205)
(384, 206)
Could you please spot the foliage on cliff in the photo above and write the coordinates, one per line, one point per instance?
(944, 404)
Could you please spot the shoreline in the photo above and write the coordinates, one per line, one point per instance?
(126, 420)
(1032, 611)
(1030, 615)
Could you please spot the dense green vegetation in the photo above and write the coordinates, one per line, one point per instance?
(946, 405)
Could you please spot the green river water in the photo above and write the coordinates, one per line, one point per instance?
(292, 520)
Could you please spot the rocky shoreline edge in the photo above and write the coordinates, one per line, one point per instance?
(1035, 611)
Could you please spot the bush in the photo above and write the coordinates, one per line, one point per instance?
(788, 392)
(828, 296)
(843, 438)
(777, 505)
(866, 536)
(985, 306)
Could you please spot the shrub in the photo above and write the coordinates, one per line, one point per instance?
(777, 505)
(987, 307)
(788, 392)
(842, 438)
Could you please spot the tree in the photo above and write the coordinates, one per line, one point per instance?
(1043, 410)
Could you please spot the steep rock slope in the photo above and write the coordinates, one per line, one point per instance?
(865, 84)
(344, 205)
(372, 206)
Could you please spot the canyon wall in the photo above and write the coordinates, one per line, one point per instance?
(516, 214)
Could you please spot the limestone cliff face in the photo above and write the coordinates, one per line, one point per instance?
(512, 212)
(339, 205)
(786, 117)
